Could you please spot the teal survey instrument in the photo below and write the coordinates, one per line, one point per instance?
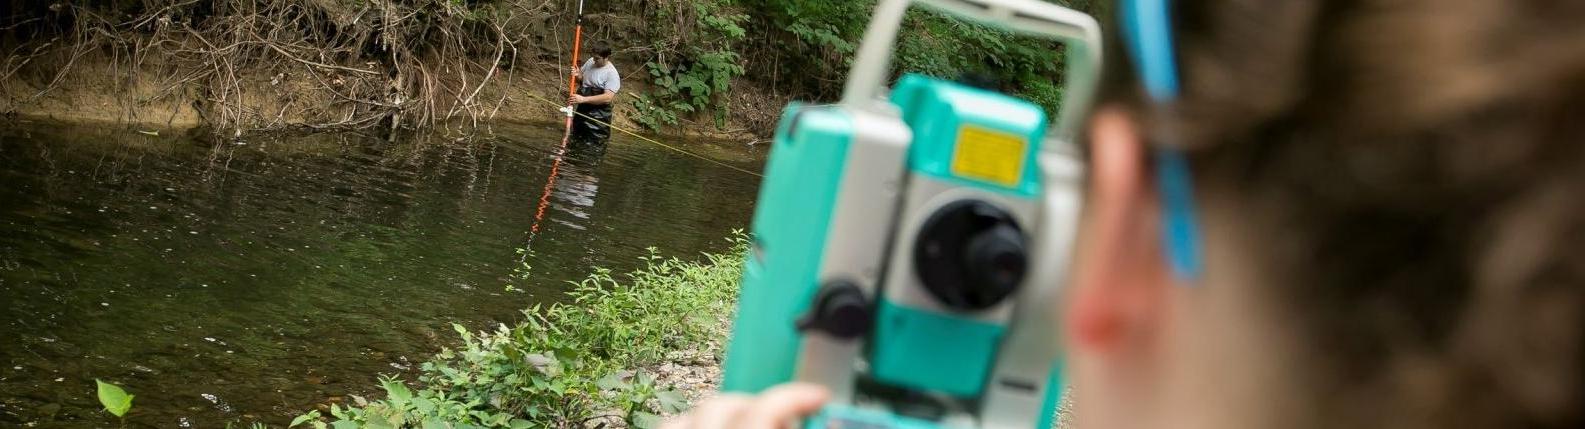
(909, 243)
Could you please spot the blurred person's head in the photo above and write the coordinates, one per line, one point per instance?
(1391, 205)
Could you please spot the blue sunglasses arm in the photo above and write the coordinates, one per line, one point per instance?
(1147, 31)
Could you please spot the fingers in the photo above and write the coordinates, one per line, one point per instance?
(773, 409)
(714, 413)
(722, 412)
(782, 404)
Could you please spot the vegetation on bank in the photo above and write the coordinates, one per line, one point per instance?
(587, 359)
(402, 64)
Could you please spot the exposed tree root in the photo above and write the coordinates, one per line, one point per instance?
(252, 65)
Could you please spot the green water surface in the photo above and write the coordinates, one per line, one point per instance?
(249, 281)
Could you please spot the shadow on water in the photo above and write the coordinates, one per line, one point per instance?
(226, 282)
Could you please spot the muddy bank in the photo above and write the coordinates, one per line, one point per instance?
(289, 101)
(237, 67)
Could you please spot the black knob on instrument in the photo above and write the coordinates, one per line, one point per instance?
(970, 255)
(840, 309)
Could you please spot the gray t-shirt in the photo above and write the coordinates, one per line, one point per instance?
(601, 77)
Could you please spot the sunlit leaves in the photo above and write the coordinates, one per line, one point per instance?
(115, 400)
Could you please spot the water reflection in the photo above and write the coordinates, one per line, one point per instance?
(578, 185)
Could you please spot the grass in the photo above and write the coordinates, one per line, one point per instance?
(570, 363)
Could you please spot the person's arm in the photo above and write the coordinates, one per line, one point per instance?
(577, 72)
(604, 98)
(611, 84)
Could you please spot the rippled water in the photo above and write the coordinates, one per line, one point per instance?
(225, 282)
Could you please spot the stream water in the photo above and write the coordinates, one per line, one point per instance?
(248, 281)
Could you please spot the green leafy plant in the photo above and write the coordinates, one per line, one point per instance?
(567, 363)
(692, 78)
(312, 416)
(114, 399)
(815, 40)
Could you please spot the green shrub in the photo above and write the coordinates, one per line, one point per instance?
(569, 362)
(704, 58)
(1045, 93)
(816, 40)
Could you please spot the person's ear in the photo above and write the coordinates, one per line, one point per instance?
(1120, 275)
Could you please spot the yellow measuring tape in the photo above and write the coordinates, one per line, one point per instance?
(614, 127)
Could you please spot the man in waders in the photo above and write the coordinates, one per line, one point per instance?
(598, 83)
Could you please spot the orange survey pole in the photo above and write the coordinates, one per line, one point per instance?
(572, 81)
(555, 166)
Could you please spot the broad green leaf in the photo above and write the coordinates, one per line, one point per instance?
(115, 400)
(424, 405)
(396, 391)
(612, 381)
(303, 418)
(671, 401)
(643, 420)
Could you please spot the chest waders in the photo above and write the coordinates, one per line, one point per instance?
(585, 129)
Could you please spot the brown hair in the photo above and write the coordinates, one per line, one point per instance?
(1419, 169)
(600, 49)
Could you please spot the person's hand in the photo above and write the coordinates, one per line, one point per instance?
(576, 72)
(776, 408)
(576, 99)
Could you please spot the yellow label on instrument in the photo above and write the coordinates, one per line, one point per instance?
(989, 155)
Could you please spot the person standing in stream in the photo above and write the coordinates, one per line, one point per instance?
(598, 82)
